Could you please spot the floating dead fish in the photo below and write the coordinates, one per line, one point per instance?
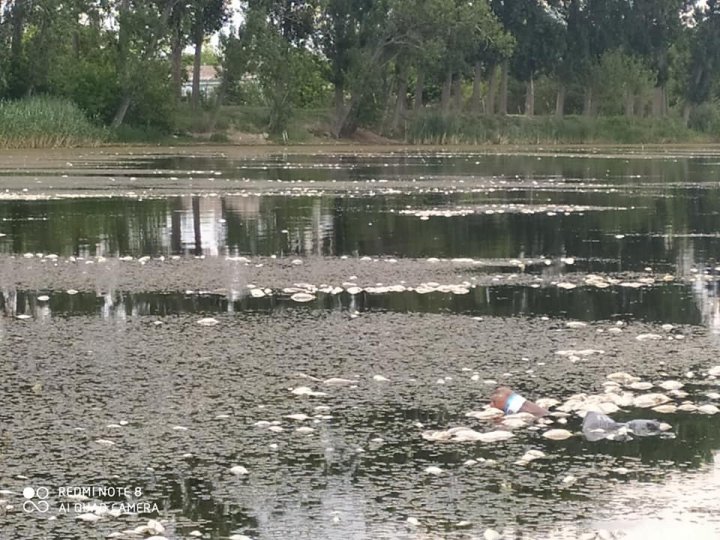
(257, 293)
(581, 352)
(71, 291)
(708, 409)
(622, 378)
(436, 471)
(640, 385)
(513, 423)
(43, 298)
(239, 470)
(547, 403)
(338, 381)
(575, 324)
(105, 442)
(303, 297)
(465, 434)
(354, 290)
(687, 407)
(530, 455)
(557, 434)
(300, 417)
(23, 317)
(648, 337)
(307, 391)
(89, 517)
(208, 321)
(671, 385)
(565, 285)
(645, 401)
(491, 534)
(380, 378)
(304, 430)
(714, 371)
(487, 414)
(668, 408)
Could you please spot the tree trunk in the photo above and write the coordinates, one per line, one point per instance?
(176, 56)
(477, 89)
(629, 104)
(445, 95)
(18, 27)
(196, 225)
(588, 101)
(123, 51)
(687, 111)
(560, 101)
(199, 38)
(659, 107)
(530, 97)
(504, 88)
(492, 91)
(457, 92)
(400, 102)
(121, 112)
(419, 88)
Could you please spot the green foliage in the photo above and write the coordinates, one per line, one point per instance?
(433, 127)
(706, 119)
(42, 122)
(150, 88)
(620, 77)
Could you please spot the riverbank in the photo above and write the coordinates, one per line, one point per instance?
(52, 123)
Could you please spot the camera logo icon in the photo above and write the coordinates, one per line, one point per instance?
(30, 505)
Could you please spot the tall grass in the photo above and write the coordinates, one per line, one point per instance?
(433, 127)
(45, 122)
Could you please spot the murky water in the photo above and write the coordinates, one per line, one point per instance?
(423, 279)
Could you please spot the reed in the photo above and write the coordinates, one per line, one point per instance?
(46, 122)
(433, 127)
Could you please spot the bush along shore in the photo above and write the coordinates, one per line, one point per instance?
(46, 122)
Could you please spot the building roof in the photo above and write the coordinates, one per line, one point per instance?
(207, 73)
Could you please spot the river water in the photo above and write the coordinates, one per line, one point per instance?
(430, 277)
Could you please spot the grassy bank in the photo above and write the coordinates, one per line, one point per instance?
(430, 127)
(43, 122)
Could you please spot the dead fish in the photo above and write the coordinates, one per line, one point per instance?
(436, 471)
(302, 297)
(575, 324)
(338, 381)
(300, 417)
(530, 455)
(380, 378)
(513, 423)
(304, 430)
(640, 385)
(671, 385)
(714, 371)
(307, 391)
(687, 407)
(208, 321)
(487, 414)
(547, 403)
(668, 408)
(646, 401)
(622, 377)
(708, 409)
(557, 434)
(648, 337)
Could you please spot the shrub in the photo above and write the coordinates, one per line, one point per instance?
(43, 122)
